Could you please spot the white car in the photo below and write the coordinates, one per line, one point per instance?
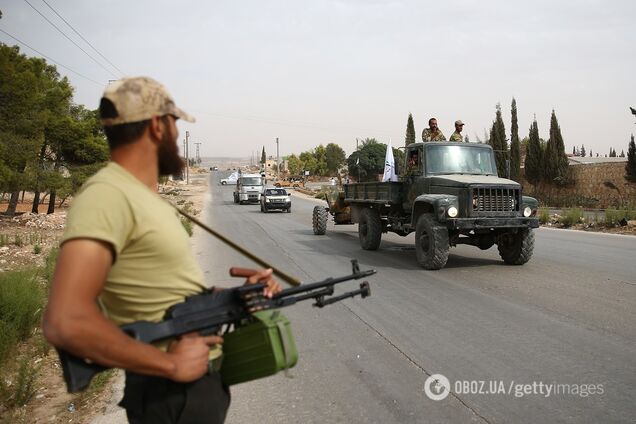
(231, 179)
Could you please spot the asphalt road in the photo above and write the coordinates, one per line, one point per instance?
(566, 319)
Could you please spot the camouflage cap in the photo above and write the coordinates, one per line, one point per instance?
(458, 122)
(140, 98)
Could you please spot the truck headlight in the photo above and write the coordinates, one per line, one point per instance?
(527, 211)
(288, 200)
(452, 211)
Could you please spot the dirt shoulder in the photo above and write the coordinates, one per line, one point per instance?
(25, 240)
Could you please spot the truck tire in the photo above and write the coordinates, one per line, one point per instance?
(516, 249)
(319, 220)
(235, 197)
(431, 243)
(223, 183)
(370, 229)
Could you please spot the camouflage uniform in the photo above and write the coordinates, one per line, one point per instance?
(427, 135)
(456, 137)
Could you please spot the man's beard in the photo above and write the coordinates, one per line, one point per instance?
(170, 163)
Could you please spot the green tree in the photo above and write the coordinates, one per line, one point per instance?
(309, 162)
(263, 157)
(335, 157)
(410, 131)
(295, 165)
(630, 167)
(582, 152)
(497, 140)
(24, 83)
(515, 145)
(368, 160)
(557, 170)
(534, 156)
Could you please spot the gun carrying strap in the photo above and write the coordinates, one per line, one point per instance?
(282, 275)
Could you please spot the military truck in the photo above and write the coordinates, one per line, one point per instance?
(448, 193)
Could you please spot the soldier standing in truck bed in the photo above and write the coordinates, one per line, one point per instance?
(457, 135)
(432, 133)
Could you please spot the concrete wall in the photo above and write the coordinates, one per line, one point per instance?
(588, 189)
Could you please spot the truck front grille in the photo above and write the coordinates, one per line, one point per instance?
(495, 200)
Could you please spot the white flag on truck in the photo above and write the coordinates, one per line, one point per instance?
(389, 164)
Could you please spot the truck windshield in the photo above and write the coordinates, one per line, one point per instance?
(254, 181)
(460, 160)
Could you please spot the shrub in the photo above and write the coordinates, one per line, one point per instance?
(4, 240)
(49, 264)
(21, 301)
(18, 240)
(613, 217)
(544, 215)
(187, 224)
(19, 393)
(37, 249)
(572, 216)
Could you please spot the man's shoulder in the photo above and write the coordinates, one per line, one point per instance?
(456, 137)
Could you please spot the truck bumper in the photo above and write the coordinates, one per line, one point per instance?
(481, 223)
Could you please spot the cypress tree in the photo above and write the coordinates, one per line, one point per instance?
(630, 168)
(557, 166)
(263, 157)
(583, 150)
(410, 131)
(515, 145)
(533, 163)
(622, 154)
(498, 142)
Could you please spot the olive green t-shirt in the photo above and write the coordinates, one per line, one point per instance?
(154, 267)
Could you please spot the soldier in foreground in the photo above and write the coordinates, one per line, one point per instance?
(432, 133)
(457, 135)
(125, 257)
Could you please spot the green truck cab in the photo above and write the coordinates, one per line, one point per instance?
(448, 194)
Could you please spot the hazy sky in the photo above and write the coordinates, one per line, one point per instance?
(312, 72)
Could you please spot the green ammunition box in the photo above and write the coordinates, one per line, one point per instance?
(261, 347)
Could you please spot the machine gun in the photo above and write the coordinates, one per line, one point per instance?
(208, 312)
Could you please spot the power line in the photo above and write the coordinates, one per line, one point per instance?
(54, 61)
(71, 40)
(80, 35)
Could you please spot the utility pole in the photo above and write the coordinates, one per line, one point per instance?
(187, 158)
(277, 161)
(198, 157)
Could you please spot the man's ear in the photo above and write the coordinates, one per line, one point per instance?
(156, 128)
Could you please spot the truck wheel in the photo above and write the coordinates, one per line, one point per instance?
(262, 208)
(289, 209)
(223, 183)
(370, 229)
(431, 243)
(319, 220)
(235, 197)
(516, 249)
